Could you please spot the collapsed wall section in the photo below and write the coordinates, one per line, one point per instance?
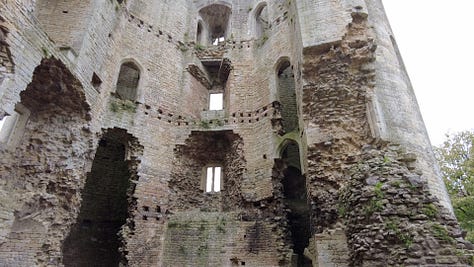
(222, 149)
(42, 175)
(334, 107)
(391, 216)
(337, 96)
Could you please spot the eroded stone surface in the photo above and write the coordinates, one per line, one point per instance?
(305, 139)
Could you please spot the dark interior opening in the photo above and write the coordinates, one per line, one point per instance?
(95, 239)
(287, 96)
(127, 83)
(294, 189)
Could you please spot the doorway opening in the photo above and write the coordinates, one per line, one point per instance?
(294, 190)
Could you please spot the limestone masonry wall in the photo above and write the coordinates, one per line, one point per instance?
(324, 156)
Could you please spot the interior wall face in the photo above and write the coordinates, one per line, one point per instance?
(107, 165)
(42, 174)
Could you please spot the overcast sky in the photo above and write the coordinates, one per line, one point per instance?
(436, 40)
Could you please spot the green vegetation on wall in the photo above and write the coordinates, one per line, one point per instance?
(456, 160)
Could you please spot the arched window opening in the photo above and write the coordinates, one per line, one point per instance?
(261, 21)
(287, 96)
(199, 33)
(294, 190)
(217, 18)
(127, 82)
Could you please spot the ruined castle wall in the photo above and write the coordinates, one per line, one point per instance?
(28, 48)
(250, 89)
(42, 175)
(398, 117)
(156, 109)
(55, 16)
(342, 97)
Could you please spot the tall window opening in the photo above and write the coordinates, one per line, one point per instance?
(216, 101)
(294, 190)
(261, 20)
(12, 127)
(7, 124)
(213, 179)
(199, 33)
(217, 18)
(95, 239)
(2, 122)
(287, 96)
(127, 82)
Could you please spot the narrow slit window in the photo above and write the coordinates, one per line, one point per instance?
(213, 179)
(209, 179)
(216, 101)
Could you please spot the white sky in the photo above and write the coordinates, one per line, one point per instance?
(436, 40)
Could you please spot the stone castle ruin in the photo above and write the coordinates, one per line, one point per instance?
(214, 133)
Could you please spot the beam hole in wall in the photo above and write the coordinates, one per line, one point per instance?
(95, 239)
(294, 190)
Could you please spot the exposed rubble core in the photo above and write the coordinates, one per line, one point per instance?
(112, 154)
(46, 169)
(201, 150)
(335, 97)
(392, 219)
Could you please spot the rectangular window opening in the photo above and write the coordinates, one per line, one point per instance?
(6, 127)
(217, 179)
(213, 179)
(2, 122)
(219, 40)
(209, 179)
(216, 101)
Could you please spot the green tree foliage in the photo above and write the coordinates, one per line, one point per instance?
(456, 160)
